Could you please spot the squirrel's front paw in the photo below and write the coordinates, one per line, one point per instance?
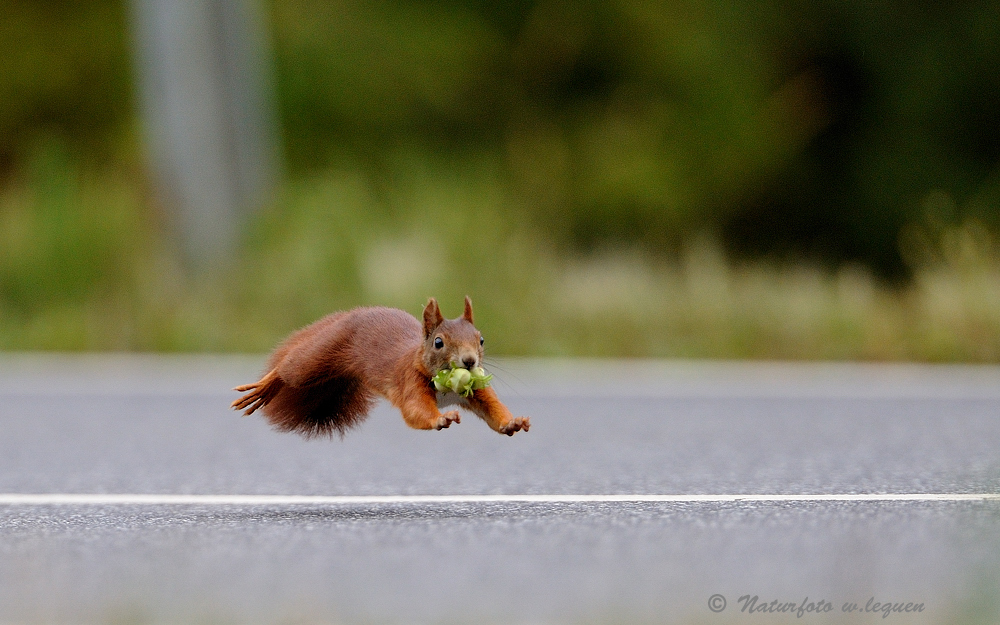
(447, 419)
(514, 425)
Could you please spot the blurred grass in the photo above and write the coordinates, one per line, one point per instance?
(85, 264)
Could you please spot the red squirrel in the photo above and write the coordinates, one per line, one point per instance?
(326, 377)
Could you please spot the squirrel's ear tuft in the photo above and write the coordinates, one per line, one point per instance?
(467, 315)
(432, 316)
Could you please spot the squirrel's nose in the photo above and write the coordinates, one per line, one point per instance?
(469, 362)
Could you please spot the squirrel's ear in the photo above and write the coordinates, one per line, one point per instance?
(467, 315)
(432, 316)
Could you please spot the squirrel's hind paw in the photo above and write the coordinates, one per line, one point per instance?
(261, 392)
(250, 401)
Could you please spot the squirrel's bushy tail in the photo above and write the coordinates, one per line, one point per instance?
(334, 405)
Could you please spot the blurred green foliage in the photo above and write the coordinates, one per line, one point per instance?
(64, 75)
(808, 129)
(81, 269)
(777, 179)
(803, 130)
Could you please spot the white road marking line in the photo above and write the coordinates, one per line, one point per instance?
(35, 499)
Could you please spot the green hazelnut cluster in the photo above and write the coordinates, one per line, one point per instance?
(461, 381)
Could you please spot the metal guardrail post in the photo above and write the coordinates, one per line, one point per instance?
(207, 102)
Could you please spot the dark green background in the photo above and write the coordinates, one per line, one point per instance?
(801, 129)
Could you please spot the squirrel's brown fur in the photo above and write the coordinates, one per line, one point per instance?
(326, 377)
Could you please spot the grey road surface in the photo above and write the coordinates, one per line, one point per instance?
(116, 424)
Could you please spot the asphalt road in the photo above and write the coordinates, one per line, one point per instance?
(162, 425)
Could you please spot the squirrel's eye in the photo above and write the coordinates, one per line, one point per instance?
(438, 343)
(481, 340)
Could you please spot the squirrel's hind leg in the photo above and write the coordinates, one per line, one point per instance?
(260, 393)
